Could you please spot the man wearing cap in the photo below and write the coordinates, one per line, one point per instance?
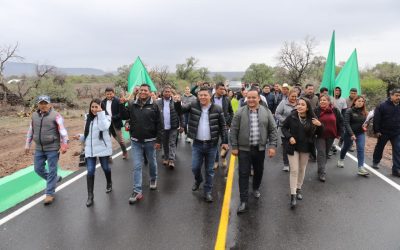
(50, 136)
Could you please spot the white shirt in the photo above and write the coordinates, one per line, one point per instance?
(108, 107)
(203, 131)
(166, 114)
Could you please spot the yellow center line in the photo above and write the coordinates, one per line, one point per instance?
(224, 219)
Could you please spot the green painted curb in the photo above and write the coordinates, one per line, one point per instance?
(21, 185)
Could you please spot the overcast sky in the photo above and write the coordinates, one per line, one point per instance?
(224, 35)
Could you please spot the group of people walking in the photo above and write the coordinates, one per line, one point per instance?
(306, 125)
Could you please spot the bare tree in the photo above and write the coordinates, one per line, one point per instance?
(7, 53)
(296, 58)
(160, 75)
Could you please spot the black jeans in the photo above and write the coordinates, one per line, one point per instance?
(380, 146)
(254, 158)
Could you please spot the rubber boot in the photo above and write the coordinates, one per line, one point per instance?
(293, 201)
(90, 184)
(109, 182)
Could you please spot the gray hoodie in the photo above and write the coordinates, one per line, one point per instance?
(283, 111)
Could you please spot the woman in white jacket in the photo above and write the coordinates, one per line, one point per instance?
(97, 144)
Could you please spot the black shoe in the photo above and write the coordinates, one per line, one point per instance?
(109, 182)
(322, 178)
(242, 208)
(89, 201)
(396, 173)
(135, 197)
(292, 201)
(299, 195)
(375, 165)
(59, 179)
(90, 185)
(195, 186)
(208, 197)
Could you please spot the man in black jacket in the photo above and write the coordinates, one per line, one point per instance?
(171, 121)
(206, 126)
(220, 99)
(146, 133)
(387, 128)
(111, 105)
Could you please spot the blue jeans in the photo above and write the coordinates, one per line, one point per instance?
(380, 146)
(360, 143)
(137, 155)
(51, 175)
(203, 152)
(91, 165)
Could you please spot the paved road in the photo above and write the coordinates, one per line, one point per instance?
(346, 212)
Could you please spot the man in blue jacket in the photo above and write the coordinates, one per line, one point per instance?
(387, 127)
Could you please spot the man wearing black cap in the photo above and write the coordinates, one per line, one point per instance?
(50, 136)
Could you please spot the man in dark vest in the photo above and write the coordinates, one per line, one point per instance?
(171, 121)
(50, 136)
(111, 105)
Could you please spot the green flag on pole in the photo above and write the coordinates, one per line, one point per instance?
(349, 76)
(328, 79)
(139, 75)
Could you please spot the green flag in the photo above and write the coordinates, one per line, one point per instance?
(328, 79)
(349, 77)
(139, 75)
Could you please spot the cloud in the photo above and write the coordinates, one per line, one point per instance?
(224, 35)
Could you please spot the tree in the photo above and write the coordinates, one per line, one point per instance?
(7, 53)
(160, 75)
(258, 73)
(218, 78)
(389, 73)
(203, 74)
(187, 71)
(296, 59)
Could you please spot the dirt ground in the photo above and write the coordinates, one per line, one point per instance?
(13, 133)
(12, 141)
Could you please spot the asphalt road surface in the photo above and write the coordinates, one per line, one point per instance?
(346, 212)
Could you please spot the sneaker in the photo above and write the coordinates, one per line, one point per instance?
(125, 155)
(299, 194)
(48, 200)
(340, 164)
(375, 165)
(285, 168)
(224, 163)
(216, 165)
(257, 193)
(165, 162)
(135, 197)
(187, 140)
(171, 164)
(362, 171)
(322, 177)
(153, 184)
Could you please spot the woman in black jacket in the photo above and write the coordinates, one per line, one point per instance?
(300, 129)
(354, 124)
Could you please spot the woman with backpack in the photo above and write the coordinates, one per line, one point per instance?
(97, 142)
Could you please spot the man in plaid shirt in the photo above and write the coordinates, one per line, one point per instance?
(251, 127)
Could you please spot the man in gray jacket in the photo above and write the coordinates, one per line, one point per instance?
(251, 128)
